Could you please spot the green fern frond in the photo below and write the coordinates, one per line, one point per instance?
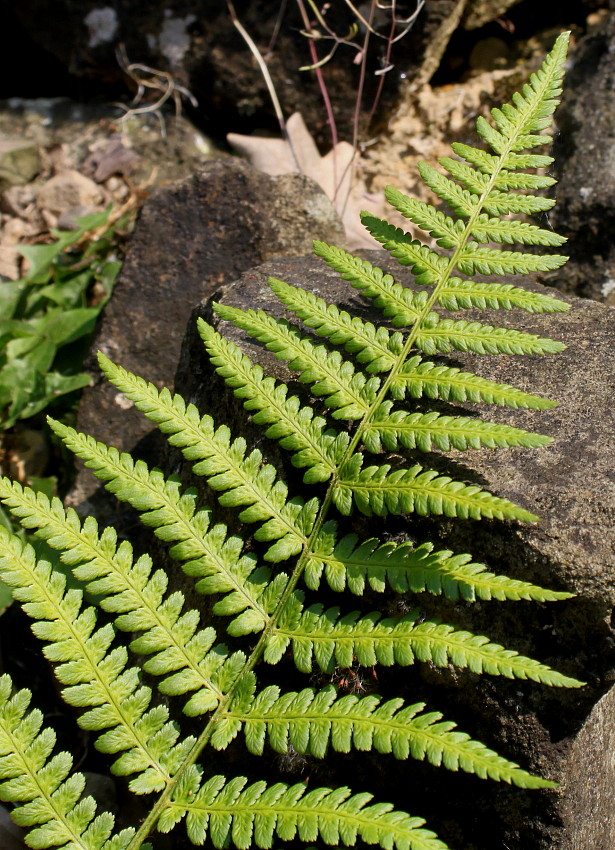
(209, 554)
(471, 258)
(510, 231)
(446, 231)
(376, 348)
(476, 259)
(226, 812)
(426, 265)
(52, 804)
(459, 199)
(348, 393)
(294, 425)
(353, 564)
(96, 678)
(242, 480)
(311, 721)
(487, 163)
(377, 490)
(322, 636)
(422, 378)
(450, 335)
(180, 652)
(477, 182)
(427, 431)
(466, 294)
(433, 334)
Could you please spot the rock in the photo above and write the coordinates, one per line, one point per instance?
(585, 167)
(19, 162)
(196, 41)
(190, 239)
(68, 190)
(12, 837)
(590, 778)
(110, 156)
(570, 485)
(479, 12)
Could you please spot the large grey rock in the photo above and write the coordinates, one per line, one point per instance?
(191, 237)
(570, 485)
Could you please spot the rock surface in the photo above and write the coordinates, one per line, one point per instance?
(190, 238)
(589, 781)
(584, 152)
(570, 484)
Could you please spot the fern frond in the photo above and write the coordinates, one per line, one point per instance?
(294, 425)
(462, 201)
(330, 640)
(445, 230)
(180, 652)
(448, 231)
(477, 259)
(477, 182)
(96, 677)
(353, 564)
(427, 431)
(208, 553)
(310, 722)
(510, 231)
(422, 378)
(49, 798)
(434, 334)
(394, 300)
(426, 265)
(466, 294)
(504, 203)
(488, 164)
(242, 480)
(377, 490)
(376, 348)
(225, 812)
(348, 393)
(459, 335)
(472, 258)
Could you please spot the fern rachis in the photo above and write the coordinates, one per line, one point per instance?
(270, 594)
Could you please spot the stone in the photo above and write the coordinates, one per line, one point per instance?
(570, 485)
(190, 238)
(588, 783)
(20, 161)
(480, 12)
(584, 152)
(196, 41)
(68, 190)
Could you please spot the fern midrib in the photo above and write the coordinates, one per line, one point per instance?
(258, 651)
